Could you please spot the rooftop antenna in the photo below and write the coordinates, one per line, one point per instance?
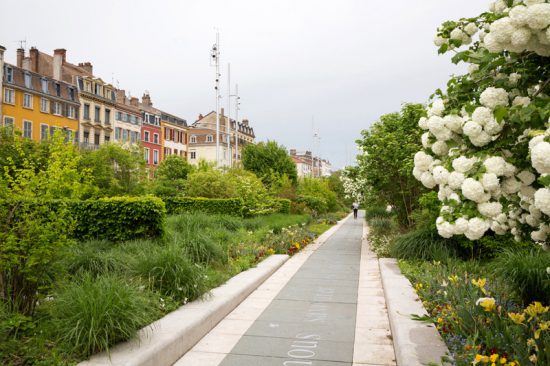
(215, 61)
(23, 43)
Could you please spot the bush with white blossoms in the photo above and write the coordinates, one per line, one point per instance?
(487, 137)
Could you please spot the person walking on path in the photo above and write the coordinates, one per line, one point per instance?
(355, 207)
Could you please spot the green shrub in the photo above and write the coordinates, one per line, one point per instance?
(372, 212)
(526, 269)
(317, 205)
(284, 205)
(92, 315)
(230, 223)
(169, 271)
(119, 218)
(227, 206)
(210, 183)
(425, 244)
(95, 258)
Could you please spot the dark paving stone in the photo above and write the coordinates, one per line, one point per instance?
(311, 322)
(295, 349)
(244, 360)
(334, 332)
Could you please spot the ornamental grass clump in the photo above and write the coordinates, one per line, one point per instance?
(526, 269)
(93, 314)
(372, 212)
(95, 258)
(424, 244)
(167, 270)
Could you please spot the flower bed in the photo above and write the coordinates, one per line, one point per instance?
(480, 319)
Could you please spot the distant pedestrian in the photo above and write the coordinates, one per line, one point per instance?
(355, 207)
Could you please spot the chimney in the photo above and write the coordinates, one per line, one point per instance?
(245, 122)
(27, 63)
(200, 117)
(87, 66)
(292, 152)
(222, 112)
(20, 56)
(146, 99)
(134, 101)
(58, 61)
(121, 96)
(33, 53)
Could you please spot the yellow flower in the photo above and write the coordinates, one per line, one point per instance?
(535, 309)
(487, 303)
(478, 358)
(418, 286)
(531, 342)
(494, 357)
(454, 279)
(503, 360)
(517, 318)
(270, 251)
(480, 283)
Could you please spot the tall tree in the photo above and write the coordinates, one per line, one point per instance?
(269, 161)
(388, 158)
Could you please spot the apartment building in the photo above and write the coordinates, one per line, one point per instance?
(151, 132)
(35, 103)
(202, 139)
(128, 119)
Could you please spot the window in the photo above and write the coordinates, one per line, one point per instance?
(117, 133)
(28, 81)
(107, 116)
(97, 113)
(44, 84)
(71, 93)
(167, 151)
(125, 135)
(209, 138)
(193, 155)
(193, 140)
(107, 138)
(52, 130)
(27, 101)
(57, 108)
(156, 138)
(97, 89)
(8, 121)
(9, 96)
(43, 132)
(146, 136)
(86, 137)
(44, 105)
(166, 134)
(146, 153)
(134, 136)
(71, 112)
(9, 74)
(86, 111)
(155, 157)
(57, 89)
(27, 129)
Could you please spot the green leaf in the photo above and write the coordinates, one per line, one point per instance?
(500, 112)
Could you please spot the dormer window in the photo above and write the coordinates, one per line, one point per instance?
(44, 84)
(9, 74)
(58, 89)
(209, 138)
(193, 139)
(28, 81)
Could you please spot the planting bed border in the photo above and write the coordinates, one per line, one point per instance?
(167, 339)
(416, 343)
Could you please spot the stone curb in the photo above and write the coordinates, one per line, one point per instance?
(416, 343)
(167, 339)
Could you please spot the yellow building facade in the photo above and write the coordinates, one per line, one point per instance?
(37, 105)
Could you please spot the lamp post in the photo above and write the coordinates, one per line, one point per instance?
(237, 103)
(215, 57)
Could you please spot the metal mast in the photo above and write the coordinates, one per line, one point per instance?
(228, 121)
(215, 56)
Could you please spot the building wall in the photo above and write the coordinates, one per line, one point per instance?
(150, 146)
(174, 145)
(196, 153)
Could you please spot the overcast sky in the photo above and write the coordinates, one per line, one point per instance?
(342, 63)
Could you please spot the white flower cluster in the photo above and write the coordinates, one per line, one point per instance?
(353, 186)
(524, 28)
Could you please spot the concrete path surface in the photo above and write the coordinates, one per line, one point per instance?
(323, 307)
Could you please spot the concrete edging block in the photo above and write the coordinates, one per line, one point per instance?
(163, 342)
(415, 343)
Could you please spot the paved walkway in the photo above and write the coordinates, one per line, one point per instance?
(324, 307)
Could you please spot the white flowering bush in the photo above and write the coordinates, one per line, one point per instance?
(486, 140)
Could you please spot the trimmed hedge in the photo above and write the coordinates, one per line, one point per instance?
(114, 218)
(119, 218)
(284, 205)
(228, 206)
